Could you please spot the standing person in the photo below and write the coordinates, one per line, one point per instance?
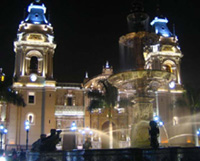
(87, 145)
(22, 155)
(14, 155)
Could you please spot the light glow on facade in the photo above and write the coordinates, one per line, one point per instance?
(33, 77)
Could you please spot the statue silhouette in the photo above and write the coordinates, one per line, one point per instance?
(47, 144)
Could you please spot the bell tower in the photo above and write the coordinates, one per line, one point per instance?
(33, 76)
(34, 47)
(165, 54)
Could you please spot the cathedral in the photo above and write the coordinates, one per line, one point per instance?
(54, 105)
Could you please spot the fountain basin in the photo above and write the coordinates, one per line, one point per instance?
(140, 86)
(123, 79)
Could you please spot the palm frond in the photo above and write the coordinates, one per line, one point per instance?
(106, 98)
(95, 104)
(9, 95)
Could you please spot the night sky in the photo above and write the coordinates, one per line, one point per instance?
(87, 34)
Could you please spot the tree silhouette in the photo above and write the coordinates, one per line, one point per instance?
(106, 97)
(9, 95)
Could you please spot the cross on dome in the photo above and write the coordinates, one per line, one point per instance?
(86, 74)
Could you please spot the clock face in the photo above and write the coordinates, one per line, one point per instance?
(33, 77)
(172, 84)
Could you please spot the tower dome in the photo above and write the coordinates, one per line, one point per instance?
(159, 24)
(160, 27)
(34, 46)
(36, 14)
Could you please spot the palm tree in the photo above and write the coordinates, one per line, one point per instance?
(104, 98)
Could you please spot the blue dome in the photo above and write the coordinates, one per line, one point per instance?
(36, 14)
(160, 27)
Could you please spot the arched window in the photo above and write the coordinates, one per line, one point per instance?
(34, 64)
(69, 99)
(169, 66)
(31, 118)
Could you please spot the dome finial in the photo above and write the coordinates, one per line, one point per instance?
(86, 75)
(107, 64)
(137, 6)
(158, 12)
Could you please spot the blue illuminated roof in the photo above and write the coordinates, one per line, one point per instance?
(36, 14)
(160, 27)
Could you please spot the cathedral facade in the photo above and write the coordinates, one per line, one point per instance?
(54, 105)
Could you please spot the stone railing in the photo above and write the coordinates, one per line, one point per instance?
(129, 154)
(69, 110)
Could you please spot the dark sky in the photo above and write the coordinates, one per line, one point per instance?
(87, 34)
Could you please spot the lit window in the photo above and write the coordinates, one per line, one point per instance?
(69, 100)
(31, 97)
(175, 120)
(155, 48)
(168, 68)
(31, 118)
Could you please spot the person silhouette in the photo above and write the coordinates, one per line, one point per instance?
(154, 133)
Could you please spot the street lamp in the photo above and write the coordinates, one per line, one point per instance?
(198, 132)
(159, 122)
(73, 126)
(86, 132)
(3, 130)
(27, 127)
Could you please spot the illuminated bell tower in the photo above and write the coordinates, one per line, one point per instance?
(34, 47)
(33, 76)
(165, 54)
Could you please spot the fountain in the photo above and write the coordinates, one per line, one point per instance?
(143, 71)
(141, 85)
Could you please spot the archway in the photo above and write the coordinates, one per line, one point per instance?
(105, 139)
(34, 65)
(169, 66)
